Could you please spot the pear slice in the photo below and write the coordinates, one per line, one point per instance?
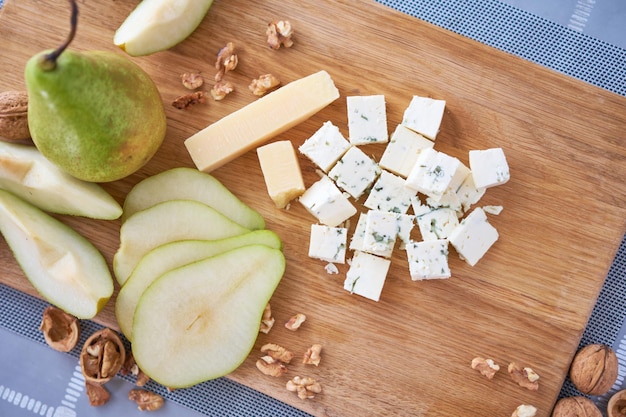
(174, 255)
(157, 25)
(167, 222)
(65, 268)
(200, 321)
(25, 172)
(190, 184)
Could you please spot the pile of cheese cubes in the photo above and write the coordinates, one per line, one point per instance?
(411, 174)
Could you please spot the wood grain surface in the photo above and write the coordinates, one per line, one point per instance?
(527, 300)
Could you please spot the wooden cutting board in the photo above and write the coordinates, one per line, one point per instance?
(527, 300)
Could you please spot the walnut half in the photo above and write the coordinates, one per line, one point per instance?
(486, 367)
(102, 356)
(60, 330)
(305, 387)
(525, 377)
(145, 400)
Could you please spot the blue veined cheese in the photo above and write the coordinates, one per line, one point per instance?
(402, 150)
(428, 259)
(432, 173)
(381, 230)
(439, 223)
(473, 237)
(327, 203)
(328, 243)
(325, 146)
(468, 194)
(406, 222)
(424, 116)
(354, 172)
(367, 119)
(461, 173)
(356, 242)
(389, 194)
(489, 167)
(366, 275)
(449, 199)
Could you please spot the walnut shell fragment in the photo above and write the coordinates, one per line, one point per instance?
(576, 407)
(594, 369)
(617, 404)
(60, 330)
(14, 115)
(102, 356)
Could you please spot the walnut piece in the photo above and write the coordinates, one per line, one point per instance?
(102, 356)
(97, 394)
(227, 60)
(267, 321)
(146, 400)
(270, 366)
(188, 100)
(305, 387)
(192, 80)
(312, 355)
(525, 377)
(279, 34)
(295, 322)
(14, 115)
(60, 330)
(486, 367)
(131, 367)
(576, 406)
(277, 352)
(221, 89)
(594, 369)
(263, 84)
(524, 411)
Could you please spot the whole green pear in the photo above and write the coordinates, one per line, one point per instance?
(96, 114)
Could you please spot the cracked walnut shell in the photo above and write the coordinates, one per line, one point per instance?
(102, 356)
(576, 407)
(617, 404)
(60, 330)
(594, 369)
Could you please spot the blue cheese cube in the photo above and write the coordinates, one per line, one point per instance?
(406, 223)
(473, 236)
(325, 147)
(328, 243)
(489, 167)
(468, 194)
(356, 243)
(437, 224)
(366, 275)
(428, 260)
(402, 151)
(389, 194)
(432, 173)
(355, 172)
(327, 203)
(367, 119)
(381, 230)
(424, 116)
(449, 199)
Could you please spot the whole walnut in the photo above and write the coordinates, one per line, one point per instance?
(576, 407)
(594, 369)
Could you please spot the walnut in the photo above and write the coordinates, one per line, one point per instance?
(312, 355)
(221, 89)
(279, 34)
(102, 356)
(576, 407)
(486, 367)
(192, 80)
(525, 377)
(146, 400)
(226, 61)
(14, 115)
(594, 369)
(97, 394)
(617, 404)
(267, 321)
(277, 352)
(524, 411)
(188, 100)
(263, 84)
(270, 366)
(295, 322)
(60, 330)
(131, 367)
(305, 387)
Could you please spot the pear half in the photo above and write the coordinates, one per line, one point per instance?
(65, 268)
(173, 255)
(200, 321)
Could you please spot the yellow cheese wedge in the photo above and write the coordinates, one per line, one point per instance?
(261, 120)
(281, 172)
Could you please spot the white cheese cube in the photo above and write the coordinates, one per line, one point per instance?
(366, 275)
(381, 229)
(327, 203)
(424, 116)
(432, 173)
(402, 150)
(406, 222)
(437, 224)
(354, 172)
(356, 243)
(325, 146)
(328, 243)
(281, 172)
(460, 175)
(489, 167)
(367, 119)
(468, 194)
(473, 236)
(389, 194)
(428, 260)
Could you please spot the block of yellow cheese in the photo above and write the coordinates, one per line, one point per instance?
(281, 171)
(261, 120)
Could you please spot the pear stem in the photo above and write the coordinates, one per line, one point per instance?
(49, 61)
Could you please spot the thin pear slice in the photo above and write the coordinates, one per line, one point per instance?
(190, 184)
(167, 222)
(200, 321)
(65, 268)
(157, 25)
(174, 255)
(25, 172)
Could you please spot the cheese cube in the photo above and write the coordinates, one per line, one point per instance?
(281, 172)
(489, 167)
(327, 203)
(461, 173)
(389, 194)
(381, 229)
(437, 224)
(468, 194)
(356, 243)
(354, 172)
(366, 275)
(473, 237)
(428, 260)
(432, 173)
(406, 222)
(328, 243)
(325, 147)
(449, 199)
(402, 150)
(424, 116)
(367, 119)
